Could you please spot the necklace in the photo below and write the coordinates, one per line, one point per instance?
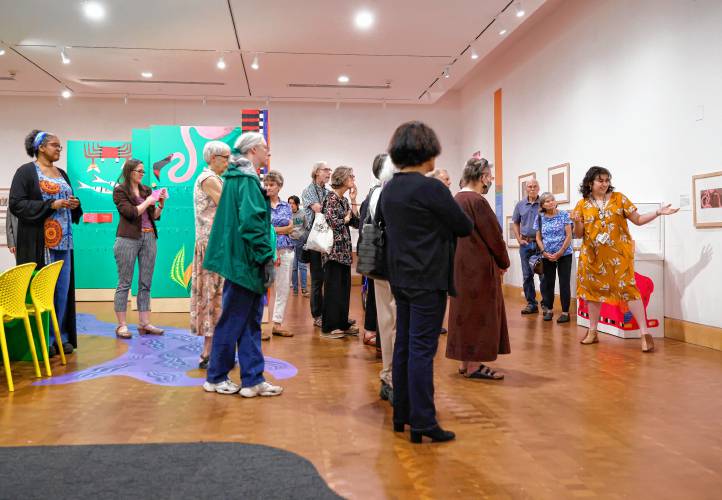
(602, 208)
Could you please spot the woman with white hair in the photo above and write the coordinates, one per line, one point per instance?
(207, 286)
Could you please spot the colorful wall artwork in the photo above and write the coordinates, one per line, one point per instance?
(707, 200)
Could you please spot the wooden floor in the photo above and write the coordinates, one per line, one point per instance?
(569, 421)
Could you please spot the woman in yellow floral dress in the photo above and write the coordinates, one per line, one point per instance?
(605, 271)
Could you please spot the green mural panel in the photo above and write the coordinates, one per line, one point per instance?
(94, 168)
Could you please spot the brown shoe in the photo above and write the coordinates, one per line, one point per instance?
(590, 338)
(122, 332)
(280, 332)
(265, 336)
(149, 330)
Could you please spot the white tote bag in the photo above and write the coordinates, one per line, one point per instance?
(320, 239)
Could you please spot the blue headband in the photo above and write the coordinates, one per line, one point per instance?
(39, 140)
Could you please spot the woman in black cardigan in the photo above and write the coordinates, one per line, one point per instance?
(41, 197)
(422, 223)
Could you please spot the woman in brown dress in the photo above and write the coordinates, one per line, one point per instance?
(477, 318)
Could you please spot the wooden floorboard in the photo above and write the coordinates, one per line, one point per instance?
(569, 421)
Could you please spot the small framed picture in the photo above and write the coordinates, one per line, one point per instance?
(510, 238)
(559, 182)
(707, 199)
(523, 179)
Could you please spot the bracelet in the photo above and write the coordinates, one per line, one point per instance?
(656, 212)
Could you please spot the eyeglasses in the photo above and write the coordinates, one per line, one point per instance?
(56, 145)
(139, 171)
(223, 156)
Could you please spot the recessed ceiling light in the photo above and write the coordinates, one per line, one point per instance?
(255, 64)
(66, 93)
(519, 10)
(474, 54)
(502, 31)
(364, 20)
(94, 11)
(146, 74)
(2, 52)
(343, 79)
(64, 56)
(221, 64)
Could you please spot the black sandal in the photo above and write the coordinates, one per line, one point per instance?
(203, 363)
(484, 372)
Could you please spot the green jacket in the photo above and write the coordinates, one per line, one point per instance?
(240, 241)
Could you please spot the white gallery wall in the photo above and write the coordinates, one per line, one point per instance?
(301, 133)
(632, 86)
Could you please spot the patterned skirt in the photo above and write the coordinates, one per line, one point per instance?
(206, 294)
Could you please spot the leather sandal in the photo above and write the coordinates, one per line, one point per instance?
(647, 341)
(149, 330)
(590, 338)
(122, 332)
(370, 338)
(281, 332)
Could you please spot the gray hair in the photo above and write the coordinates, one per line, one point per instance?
(316, 167)
(248, 141)
(340, 175)
(474, 169)
(436, 173)
(543, 199)
(274, 176)
(215, 148)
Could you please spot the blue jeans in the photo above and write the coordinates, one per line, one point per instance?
(419, 315)
(526, 251)
(298, 268)
(60, 300)
(239, 327)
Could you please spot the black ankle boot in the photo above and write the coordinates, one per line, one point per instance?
(437, 435)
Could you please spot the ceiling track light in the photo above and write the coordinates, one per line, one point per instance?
(474, 54)
(446, 73)
(125, 99)
(64, 56)
(502, 31)
(519, 10)
(255, 64)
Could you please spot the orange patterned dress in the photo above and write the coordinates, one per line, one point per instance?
(605, 271)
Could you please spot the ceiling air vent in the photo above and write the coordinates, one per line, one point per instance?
(146, 82)
(7, 78)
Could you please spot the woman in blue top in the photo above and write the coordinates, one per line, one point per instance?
(554, 238)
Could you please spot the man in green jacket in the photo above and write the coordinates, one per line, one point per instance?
(240, 249)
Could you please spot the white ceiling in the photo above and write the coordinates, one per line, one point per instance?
(308, 43)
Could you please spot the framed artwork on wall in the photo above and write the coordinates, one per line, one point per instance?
(559, 182)
(707, 199)
(523, 179)
(4, 203)
(510, 239)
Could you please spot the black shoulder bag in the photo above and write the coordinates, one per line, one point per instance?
(371, 250)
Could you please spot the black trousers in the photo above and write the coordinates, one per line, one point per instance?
(337, 296)
(316, 284)
(370, 323)
(563, 267)
(419, 314)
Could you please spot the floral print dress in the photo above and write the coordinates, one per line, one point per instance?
(605, 271)
(335, 209)
(57, 227)
(206, 286)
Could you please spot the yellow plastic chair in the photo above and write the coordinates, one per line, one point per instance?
(42, 293)
(13, 288)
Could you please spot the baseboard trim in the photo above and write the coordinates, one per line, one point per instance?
(693, 333)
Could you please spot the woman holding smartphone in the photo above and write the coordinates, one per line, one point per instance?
(42, 199)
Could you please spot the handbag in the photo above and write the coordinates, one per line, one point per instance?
(536, 261)
(371, 250)
(320, 238)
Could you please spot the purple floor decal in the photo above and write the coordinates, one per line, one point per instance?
(162, 360)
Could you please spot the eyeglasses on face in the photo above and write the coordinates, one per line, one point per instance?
(55, 145)
(140, 171)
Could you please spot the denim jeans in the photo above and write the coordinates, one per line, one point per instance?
(239, 327)
(60, 300)
(526, 251)
(419, 315)
(298, 268)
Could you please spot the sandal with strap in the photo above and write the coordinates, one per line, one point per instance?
(647, 343)
(484, 372)
(122, 332)
(590, 338)
(370, 338)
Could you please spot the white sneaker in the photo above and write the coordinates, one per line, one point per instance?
(225, 387)
(262, 389)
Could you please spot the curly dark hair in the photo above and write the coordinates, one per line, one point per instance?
(30, 148)
(413, 143)
(295, 199)
(585, 188)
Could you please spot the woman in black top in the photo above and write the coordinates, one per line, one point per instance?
(422, 223)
